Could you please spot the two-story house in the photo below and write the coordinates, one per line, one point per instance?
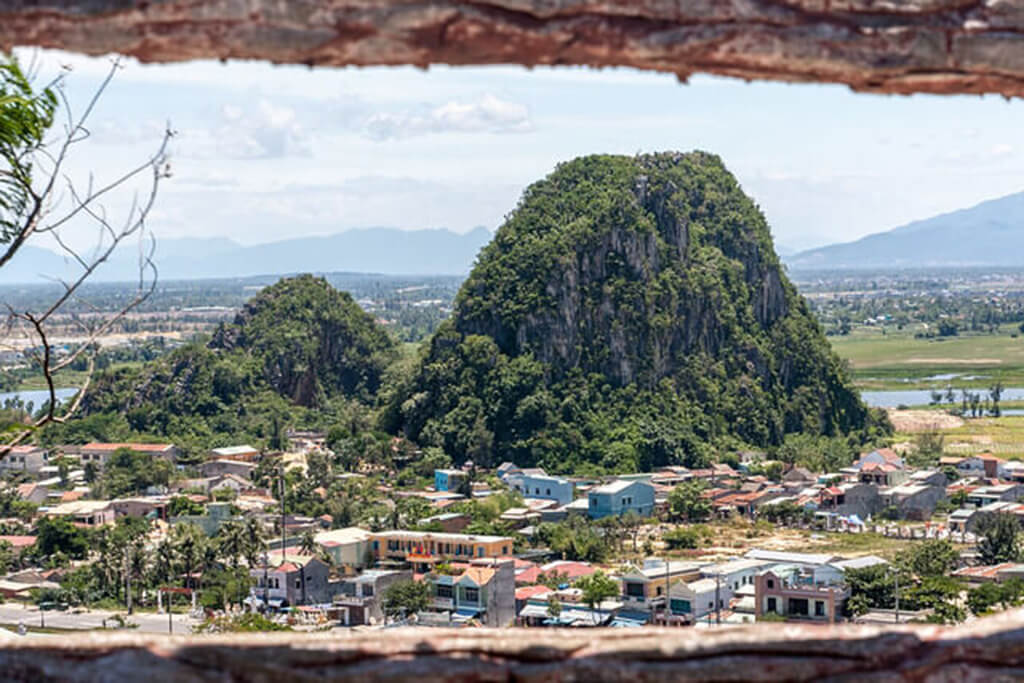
(793, 592)
(448, 479)
(348, 547)
(289, 579)
(644, 588)
(424, 549)
(30, 459)
(543, 486)
(620, 497)
(362, 597)
(97, 454)
(485, 592)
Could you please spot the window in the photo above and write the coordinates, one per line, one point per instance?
(548, 491)
(635, 590)
(480, 552)
(772, 605)
(444, 590)
(504, 550)
(679, 606)
(657, 590)
(819, 608)
(367, 590)
(298, 582)
(798, 607)
(471, 594)
(771, 583)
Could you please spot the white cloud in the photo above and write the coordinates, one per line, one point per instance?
(489, 114)
(264, 131)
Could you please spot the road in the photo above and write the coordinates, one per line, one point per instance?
(14, 613)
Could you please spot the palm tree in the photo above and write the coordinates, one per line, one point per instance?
(253, 543)
(231, 542)
(307, 543)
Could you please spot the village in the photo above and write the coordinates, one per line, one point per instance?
(510, 546)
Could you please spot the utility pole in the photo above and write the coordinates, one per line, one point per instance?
(170, 623)
(718, 601)
(284, 533)
(896, 574)
(128, 583)
(266, 579)
(667, 588)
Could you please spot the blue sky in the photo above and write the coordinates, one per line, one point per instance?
(266, 152)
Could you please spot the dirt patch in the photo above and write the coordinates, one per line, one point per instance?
(915, 421)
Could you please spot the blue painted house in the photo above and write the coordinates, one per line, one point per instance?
(543, 486)
(448, 480)
(619, 497)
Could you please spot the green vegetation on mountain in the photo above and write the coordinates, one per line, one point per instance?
(630, 313)
(299, 353)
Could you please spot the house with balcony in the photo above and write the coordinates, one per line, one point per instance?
(424, 549)
(644, 588)
(793, 592)
(619, 497)
(360, 600)
(484, 592)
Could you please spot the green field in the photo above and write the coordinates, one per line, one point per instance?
(896, 360)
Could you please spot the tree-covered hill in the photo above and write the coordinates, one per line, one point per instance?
(630, 312)
(294, 348)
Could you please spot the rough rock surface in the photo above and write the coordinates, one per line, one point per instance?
(988, 650)
(896, 46)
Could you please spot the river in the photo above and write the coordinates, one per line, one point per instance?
(37, 396)
(917, 397)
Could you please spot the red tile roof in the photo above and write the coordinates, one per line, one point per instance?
(139, 447)
(19, 541)
(527, 592)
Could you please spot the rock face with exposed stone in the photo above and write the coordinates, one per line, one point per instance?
(988, 650)
(894, 46)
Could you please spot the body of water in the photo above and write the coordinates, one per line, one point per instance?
(917, 397)
(37, 396)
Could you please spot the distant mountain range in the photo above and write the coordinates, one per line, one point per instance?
(989, 234)
(388, 251)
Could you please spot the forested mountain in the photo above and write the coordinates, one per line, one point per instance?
(630, 313)
(988, 234)
(296, 347)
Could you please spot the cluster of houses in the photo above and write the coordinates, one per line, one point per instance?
(482, 579)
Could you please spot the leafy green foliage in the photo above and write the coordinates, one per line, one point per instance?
(299, 353)
(25, 117)
(127, 472)
(575, 539)
(628, 313)
(405, 598)
(686, 502)
(597, 588)
(998, 538)
(310, 341)
(682, 537)
(57, 535)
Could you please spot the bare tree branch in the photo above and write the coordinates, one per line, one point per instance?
(56, 191)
